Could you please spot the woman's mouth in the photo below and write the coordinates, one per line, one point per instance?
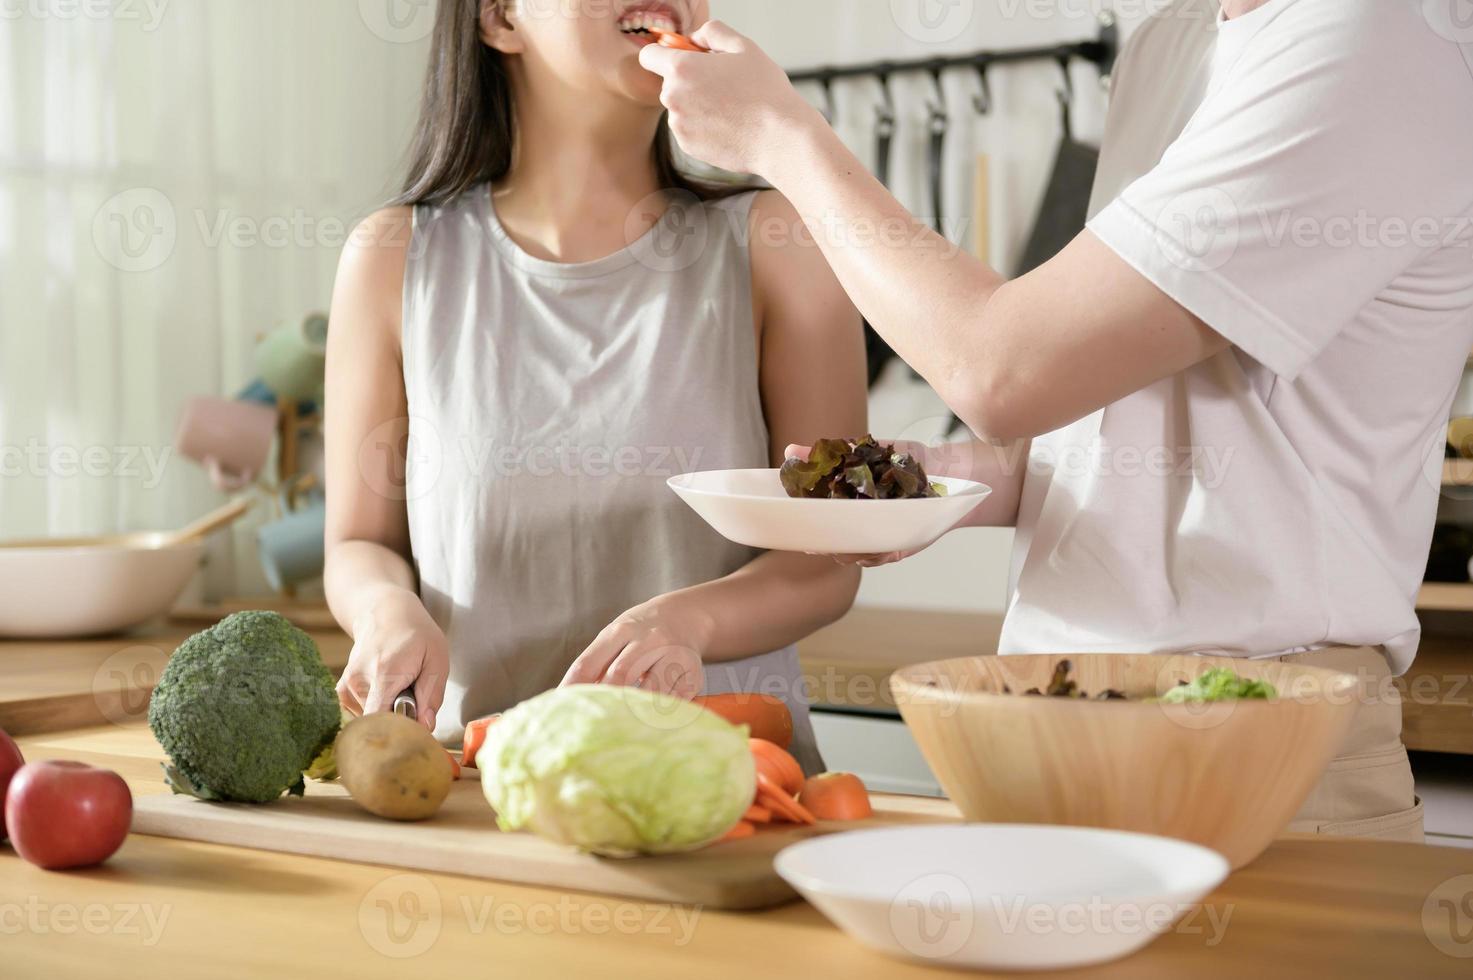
(638, 24)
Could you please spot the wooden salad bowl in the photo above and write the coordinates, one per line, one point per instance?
(1228, 775)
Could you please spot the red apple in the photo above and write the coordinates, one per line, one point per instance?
(10, 761)
(67, 814)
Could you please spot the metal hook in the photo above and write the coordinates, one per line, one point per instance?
(1068, 92)
(885, 111)
(939, 116)
(982, 101)
(830, 109)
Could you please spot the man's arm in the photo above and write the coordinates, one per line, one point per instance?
(1319, 123)
(1012, 359)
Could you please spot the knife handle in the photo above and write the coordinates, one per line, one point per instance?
(404, 705)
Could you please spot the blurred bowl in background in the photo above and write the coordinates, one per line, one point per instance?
(57, 588)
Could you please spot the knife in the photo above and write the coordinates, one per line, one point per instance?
(404, 705)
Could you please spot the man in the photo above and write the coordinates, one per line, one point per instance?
(1234, 378)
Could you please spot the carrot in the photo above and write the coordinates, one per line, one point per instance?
(781, 802)
(765, 716)
(669, 39)
(454, 764)
(779, 766)
(836, 796)
(742, 830)
(475, 737)
(757, 814)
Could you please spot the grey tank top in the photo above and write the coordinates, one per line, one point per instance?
(548, 405)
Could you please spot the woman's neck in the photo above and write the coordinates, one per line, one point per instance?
(577, 175)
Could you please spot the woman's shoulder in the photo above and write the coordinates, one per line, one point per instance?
(369, 289)
(757, 219)
(379, 246)
(387, 229)
(790, 275)
(783, 249)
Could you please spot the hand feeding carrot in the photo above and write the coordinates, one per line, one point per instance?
(670, 39)
(836, 796)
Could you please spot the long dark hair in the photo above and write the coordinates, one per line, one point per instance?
(467, 127)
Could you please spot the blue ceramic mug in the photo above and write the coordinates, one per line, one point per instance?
(291, 548)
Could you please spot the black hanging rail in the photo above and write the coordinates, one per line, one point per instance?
(1100, 51)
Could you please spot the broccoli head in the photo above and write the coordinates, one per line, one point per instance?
(243, 708)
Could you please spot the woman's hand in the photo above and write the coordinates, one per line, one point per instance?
(734, 108)
(656, 646)
(396, 646)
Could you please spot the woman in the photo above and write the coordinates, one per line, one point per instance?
(549, 323)
(1232, 382)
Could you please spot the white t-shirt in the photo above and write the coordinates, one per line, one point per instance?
(1305, 187)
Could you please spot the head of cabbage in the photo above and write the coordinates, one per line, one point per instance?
(617, 771)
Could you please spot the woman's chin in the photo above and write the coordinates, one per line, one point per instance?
(641, 86)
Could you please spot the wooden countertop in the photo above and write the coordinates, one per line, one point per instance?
(59, 684)
(848, 664)
(55, 684)
(166, 908)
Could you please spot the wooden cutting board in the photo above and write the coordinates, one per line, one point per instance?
(463, 839)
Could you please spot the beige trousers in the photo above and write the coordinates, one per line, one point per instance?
(1367, 790)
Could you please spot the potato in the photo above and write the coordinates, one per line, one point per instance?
(393, 767)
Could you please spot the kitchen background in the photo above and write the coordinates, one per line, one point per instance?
(177, 179)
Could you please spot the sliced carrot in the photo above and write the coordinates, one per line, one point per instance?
(836, 796)
(454, 764)
(758, 814)
(781, 802)
(475, 737)
(765, 716)
(779, 766)
(742, 830)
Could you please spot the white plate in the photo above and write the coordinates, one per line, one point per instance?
(89, 587)
(751, 507)
(1003, 896)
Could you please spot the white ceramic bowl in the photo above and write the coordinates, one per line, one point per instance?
(1002, 896)
(751, 507)
(85, 587)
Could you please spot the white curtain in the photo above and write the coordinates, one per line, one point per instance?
(176, 177)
